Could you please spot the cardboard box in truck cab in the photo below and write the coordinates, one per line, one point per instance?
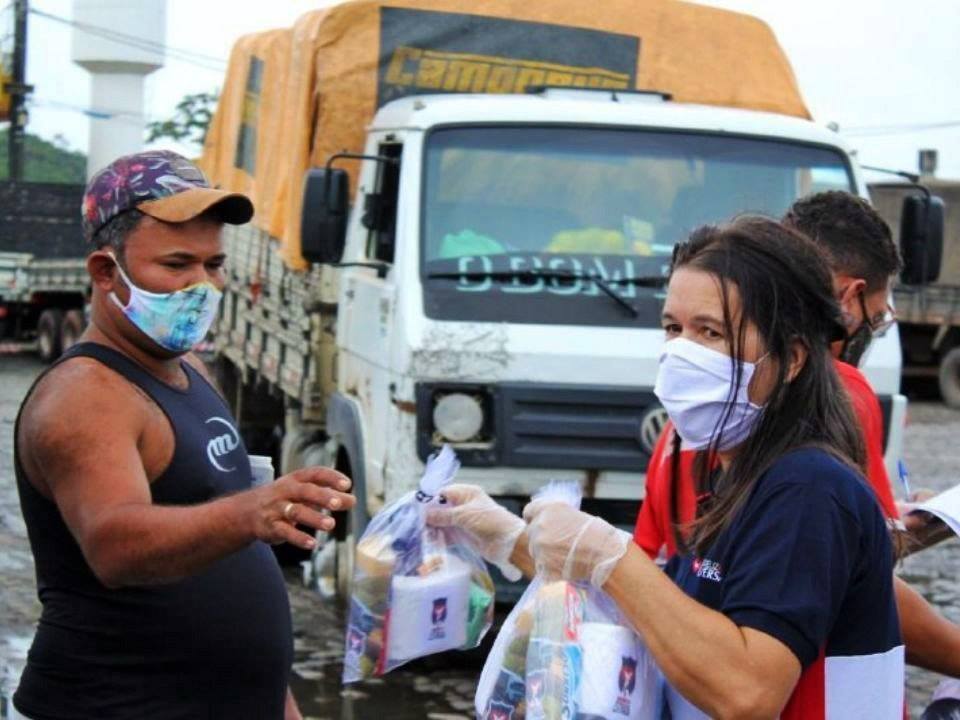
(502, 263)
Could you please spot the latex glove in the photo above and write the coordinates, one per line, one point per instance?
(493, 528)
(570, 544)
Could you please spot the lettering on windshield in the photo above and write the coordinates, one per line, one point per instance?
(611, 268)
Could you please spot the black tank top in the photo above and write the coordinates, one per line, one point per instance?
(216, 645)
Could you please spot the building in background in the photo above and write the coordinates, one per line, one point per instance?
(119, 43)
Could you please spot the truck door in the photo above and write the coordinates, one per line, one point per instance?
(367, 312)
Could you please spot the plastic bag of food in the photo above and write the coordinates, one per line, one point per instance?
(431, 580)
(565, 652)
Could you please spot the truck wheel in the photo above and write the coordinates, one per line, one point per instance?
(950, 378)
(71, 329)
(48, 334)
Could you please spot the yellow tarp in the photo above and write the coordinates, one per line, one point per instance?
(322, 81)
(242, 151)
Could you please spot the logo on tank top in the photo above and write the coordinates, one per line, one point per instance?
(220, 446)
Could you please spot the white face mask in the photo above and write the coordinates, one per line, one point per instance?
(694, 385)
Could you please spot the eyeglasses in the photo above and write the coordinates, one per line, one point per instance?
(881, 322)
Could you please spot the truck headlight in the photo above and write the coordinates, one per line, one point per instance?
(458, 417)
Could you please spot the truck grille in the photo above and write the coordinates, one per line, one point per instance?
(571, 427)
(552, 426)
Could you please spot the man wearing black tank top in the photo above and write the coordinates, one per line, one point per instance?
(161, 597)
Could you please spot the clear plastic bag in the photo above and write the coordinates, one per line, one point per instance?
(565, 652)
(430, 578)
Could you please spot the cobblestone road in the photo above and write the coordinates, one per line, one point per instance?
(438, 688)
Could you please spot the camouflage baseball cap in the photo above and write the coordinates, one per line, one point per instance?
(161, 184)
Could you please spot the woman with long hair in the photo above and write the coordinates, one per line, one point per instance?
(780, 600)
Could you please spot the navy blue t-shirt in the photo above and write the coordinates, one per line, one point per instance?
(809, 561)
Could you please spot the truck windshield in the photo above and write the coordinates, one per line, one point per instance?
(504, 206)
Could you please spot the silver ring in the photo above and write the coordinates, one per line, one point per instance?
(286, 510)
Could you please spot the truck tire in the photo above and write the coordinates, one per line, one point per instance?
(71, 329)
(48, 334)
(950, 378)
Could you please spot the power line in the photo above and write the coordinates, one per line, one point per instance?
(124, 37)
(187, 56)
(95, 113)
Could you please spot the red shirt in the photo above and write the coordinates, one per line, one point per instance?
(653, 528)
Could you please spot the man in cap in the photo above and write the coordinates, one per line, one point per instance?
(160, 595)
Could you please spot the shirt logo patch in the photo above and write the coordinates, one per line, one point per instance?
(707, 569)
(220, 446)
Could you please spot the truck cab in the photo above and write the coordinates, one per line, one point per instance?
(501, 275)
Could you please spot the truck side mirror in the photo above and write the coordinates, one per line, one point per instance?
(921, 239)
(323, 219)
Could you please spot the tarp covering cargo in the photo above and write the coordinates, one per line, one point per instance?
(243, 149)
(294, 97)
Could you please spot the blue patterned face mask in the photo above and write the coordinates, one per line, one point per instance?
(176, 321)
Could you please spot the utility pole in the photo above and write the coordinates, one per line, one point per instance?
(18, 90)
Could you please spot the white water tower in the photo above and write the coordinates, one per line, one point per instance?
(119, 42)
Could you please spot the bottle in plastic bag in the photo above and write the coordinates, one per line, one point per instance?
(565, 652)
(432, 579)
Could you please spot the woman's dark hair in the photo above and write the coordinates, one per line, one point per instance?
(785, 290)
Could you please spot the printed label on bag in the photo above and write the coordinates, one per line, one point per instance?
(438, 617)
(626, 684)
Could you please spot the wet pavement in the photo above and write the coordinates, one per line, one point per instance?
(442, 687)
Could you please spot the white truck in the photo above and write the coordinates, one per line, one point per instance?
(495, 282)
(928, 307)
(44, 284)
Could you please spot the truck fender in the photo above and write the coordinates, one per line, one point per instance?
(345, 427)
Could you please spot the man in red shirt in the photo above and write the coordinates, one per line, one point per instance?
(864, 258)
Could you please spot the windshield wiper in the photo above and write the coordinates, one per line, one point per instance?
(536, 274)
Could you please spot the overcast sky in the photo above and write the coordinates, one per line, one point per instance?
(873, 66)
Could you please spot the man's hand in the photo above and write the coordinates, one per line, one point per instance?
(276, 509)
(493, 528)
(570, 544)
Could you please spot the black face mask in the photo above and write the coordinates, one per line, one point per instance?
(857, 342)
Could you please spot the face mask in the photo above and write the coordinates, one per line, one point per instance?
(694, 386)
(856, 343)
(175, 321)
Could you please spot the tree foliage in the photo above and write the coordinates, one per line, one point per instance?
(190, 120)
(45, 161)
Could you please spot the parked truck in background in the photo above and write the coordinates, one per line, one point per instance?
(464, 222)
(928, 314)
(43, 279)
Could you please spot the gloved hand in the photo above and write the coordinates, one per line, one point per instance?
(570, 544)
(492, 527)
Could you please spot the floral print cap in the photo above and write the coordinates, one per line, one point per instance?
(151, 176)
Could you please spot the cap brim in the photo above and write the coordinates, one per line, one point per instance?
(229, 207)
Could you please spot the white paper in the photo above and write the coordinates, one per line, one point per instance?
(945, 506)
(429, 614)
(619, 678)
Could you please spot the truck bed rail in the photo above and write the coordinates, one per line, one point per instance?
(276, 323)
(928, 305)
